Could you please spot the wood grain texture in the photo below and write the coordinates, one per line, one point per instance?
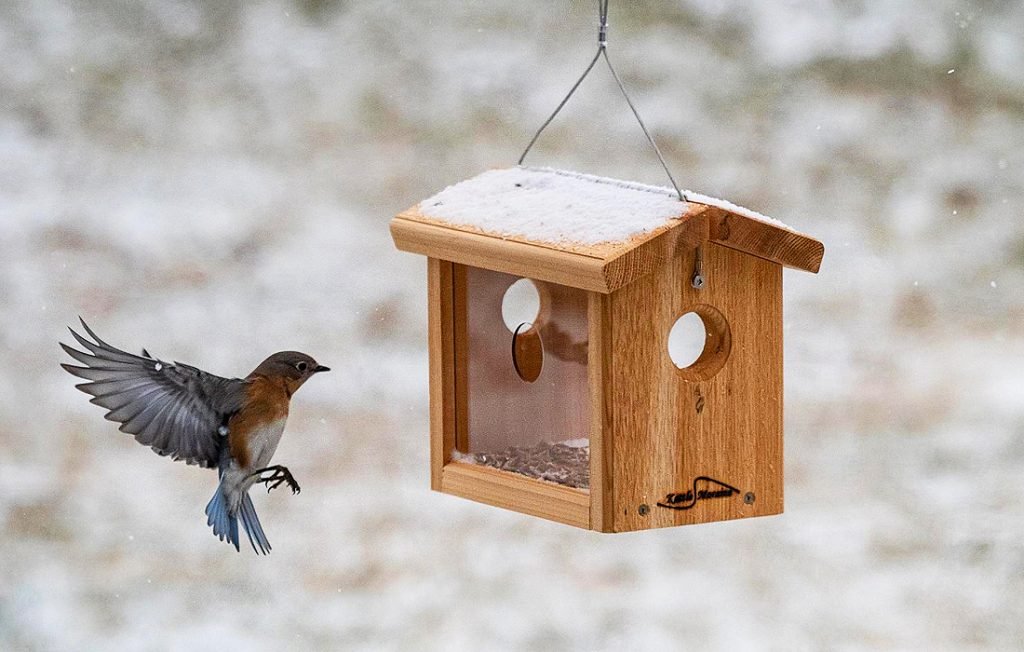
(782, 246)
(440, 338)
(518, 493)
(652, 252)
(668, 430)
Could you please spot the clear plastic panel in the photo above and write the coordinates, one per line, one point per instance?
(526, 405)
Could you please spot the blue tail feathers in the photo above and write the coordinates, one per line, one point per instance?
(225, 524)
(251, 522)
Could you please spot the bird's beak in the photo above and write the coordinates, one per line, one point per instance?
(317, 369)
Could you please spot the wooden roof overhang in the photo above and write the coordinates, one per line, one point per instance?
(605, 267)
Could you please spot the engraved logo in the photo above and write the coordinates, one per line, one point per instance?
(704, 488)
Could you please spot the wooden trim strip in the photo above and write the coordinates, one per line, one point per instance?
(517, 493)
(460, 353)
(507, 256)
(440, 339)
(600, 379)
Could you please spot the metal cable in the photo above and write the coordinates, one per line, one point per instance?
(602, 49)
(551, 117)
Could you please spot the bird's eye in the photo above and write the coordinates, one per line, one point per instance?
(302, 366)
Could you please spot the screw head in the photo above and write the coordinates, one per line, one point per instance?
(698, 281)
(749, 498)
(643, 510)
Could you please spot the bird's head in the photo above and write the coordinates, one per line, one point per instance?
(291, 366)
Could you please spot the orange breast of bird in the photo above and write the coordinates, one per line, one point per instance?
(267, 405)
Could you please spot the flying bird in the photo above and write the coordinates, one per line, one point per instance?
(230, 424)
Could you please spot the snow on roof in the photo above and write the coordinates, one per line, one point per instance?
(559, 206)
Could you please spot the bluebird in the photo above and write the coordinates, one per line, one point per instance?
(231, 424)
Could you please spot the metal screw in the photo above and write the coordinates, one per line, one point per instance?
(749, 498)
(644, 510)
(698, 269)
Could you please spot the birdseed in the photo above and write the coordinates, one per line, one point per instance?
(553, 462)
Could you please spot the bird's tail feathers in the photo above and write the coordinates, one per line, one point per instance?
(225, 525)
(251, 522)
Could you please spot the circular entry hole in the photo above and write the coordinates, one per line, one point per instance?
(520, 305)
(699, 343)
(686, 340)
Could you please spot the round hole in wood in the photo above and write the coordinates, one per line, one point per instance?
(520, 305)
(686, 340)
(699, 342)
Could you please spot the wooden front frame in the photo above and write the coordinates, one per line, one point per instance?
(483, 484)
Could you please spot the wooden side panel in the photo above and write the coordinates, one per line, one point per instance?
(440, 329)
(518, 493)
(672, 428)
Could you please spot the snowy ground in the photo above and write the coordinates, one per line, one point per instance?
(213, 181)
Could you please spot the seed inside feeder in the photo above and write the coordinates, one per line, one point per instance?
(565, 463)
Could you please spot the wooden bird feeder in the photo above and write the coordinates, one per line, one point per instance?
(576, 412)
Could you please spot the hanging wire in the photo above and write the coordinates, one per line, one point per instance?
(602, 51)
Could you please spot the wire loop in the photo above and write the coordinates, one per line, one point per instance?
(602, 50)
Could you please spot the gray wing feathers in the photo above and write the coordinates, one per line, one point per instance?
(175, 409)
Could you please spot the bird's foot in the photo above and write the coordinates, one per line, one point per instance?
(281, 475)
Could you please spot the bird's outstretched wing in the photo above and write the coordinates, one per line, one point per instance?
(174, 408)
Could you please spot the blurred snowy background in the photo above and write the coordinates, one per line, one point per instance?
(213, 180)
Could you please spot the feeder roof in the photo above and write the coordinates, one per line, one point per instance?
(585, 231)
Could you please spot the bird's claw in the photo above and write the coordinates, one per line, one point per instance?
(280, 477)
